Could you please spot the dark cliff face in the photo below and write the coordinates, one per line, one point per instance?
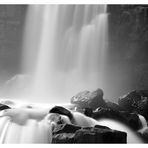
(128, 32)
(12, 19)
(127, 48)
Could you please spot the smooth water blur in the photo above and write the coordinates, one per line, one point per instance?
(132, 137)
(65, 50)
(34, 125)
(24, 125)
(143, 121)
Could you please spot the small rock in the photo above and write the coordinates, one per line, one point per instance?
(61, 110)
(66, 128)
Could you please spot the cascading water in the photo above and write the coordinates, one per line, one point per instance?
(65, 49)
(144, 125)
(132, 137)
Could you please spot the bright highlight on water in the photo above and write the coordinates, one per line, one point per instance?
(65, 49)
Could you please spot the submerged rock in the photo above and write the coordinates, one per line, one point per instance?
(135, 101)
(87, 99)
(98, 134)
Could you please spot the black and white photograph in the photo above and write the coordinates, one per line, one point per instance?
(73, 73)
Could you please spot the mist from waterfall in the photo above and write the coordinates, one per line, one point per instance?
(65, 50)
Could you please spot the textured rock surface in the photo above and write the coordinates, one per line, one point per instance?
(87, 99)
(98, 134)
(131, 119)
(135, 101)
(113, 106)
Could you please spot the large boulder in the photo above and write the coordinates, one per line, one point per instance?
(135, 101)
(98, 134)
(87, 99)
(130, 119)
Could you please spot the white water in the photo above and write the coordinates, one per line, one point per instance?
(144, 126)
(143, 121)
(24, 125)
(26, 122)
(65, 49)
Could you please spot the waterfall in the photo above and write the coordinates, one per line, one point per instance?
(65, 50)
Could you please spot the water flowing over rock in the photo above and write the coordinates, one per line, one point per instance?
(98, 134)
(69, 49)
(130, 119)
(63, 127)
(87, 99)
(61, 110)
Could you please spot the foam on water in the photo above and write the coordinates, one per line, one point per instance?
(23, 125)
(34, 125)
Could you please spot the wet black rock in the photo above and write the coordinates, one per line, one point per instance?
(98, 134)
(144, 134)
(3, 106)
(66, 128)
(135, 101)
(113, 106)
(87, 99)
(130, 119)
(61, 110)
(88, 112)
